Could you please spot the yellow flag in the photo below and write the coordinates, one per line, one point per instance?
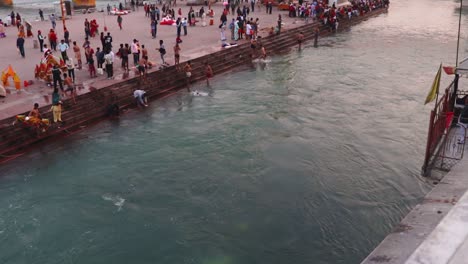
(435, 87)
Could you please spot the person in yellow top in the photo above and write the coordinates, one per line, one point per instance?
(57, 112)
(34, 118)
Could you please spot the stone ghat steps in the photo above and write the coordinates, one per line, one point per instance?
(92, 107)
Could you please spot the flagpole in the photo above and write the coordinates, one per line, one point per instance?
(437, 93)
(455, 82)
(459, 27)
(62, 7)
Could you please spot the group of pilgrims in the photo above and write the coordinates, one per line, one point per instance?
(242, 26)
(24, 27)
(330, 15)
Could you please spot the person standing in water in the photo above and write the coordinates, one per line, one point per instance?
(262, 49)
(208, 73)
(188, 73)
(300, 39)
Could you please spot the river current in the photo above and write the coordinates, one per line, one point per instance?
(312, 158)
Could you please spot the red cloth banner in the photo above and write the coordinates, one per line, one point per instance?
(448, 120)
(449, 70)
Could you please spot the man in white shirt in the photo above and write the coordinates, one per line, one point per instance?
(135, 49)
(109, 61)
(63, 47)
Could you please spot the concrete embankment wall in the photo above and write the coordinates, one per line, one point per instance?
(422, 236)
(93, 106)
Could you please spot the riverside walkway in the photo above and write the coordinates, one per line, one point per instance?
(436, 230)
(199, 41)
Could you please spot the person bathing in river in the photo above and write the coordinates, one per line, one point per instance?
(188, 73)
(263, 51)
(208, 73)
(300, 39)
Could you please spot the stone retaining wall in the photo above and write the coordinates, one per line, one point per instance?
(92, 106)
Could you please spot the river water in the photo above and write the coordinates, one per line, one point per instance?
(310, 159)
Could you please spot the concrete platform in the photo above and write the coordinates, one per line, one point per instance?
(435, 231)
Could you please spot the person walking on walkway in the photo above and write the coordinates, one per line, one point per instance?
(77, 52)
(184, 24)
(91, 67)
(119, 21)
(125, 52)
(53, 40)
(179, 26)
(66, 36)
(154, 28)
(71, 68)
(231, 27)
(63, 47)
(135, 49)
(57, 77)
(52, 21)
(108, 42)
(109, 60)
(41, 40)
(87, 28)
(20, 45)
(99, 57)
(162, 51)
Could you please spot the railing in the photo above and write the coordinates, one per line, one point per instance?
(438, 126)
(452, 149)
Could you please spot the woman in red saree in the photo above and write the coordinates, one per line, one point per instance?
(94, 28)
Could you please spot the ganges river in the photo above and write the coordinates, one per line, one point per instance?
(309, 159)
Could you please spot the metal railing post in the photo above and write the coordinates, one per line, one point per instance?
(427, 157)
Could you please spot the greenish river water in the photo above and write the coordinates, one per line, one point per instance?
(311, 159)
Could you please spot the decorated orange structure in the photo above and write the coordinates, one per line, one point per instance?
(84, 3)
(9, 72)
(43, 70)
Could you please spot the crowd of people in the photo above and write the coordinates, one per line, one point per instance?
(98, 60)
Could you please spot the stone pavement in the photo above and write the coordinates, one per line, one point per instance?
(199, 41)
(436, 230)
